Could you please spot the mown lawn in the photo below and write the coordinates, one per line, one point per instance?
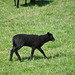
(55, 16)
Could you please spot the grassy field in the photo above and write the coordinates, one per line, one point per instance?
(55, 16)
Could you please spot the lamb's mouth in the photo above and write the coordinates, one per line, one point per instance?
(53, 40)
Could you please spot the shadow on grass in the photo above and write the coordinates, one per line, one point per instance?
(57, 55)
(39, 57)
(39, 3)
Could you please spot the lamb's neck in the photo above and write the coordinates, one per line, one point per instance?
(44, 38)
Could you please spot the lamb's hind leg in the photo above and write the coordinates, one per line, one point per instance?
(32, 52)
(32, 1)
(16, 52)
(15, 49)
(11, 53)
(25, 2)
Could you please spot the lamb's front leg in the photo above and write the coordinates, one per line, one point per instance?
(42, 52)
(17, 3)
(16, 52)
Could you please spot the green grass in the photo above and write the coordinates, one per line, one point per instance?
(56, 17)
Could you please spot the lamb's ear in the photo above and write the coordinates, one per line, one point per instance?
(48, 33)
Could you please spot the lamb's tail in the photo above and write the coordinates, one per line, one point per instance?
(13, 40)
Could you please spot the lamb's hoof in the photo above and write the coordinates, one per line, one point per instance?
(10, 60)
(45, 57)
(25, 4)
(17, 6)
